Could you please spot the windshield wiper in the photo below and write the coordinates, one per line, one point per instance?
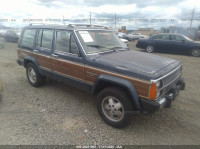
(117, 48)
(96, 46)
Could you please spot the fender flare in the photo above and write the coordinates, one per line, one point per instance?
(120, 82)
(33, 60)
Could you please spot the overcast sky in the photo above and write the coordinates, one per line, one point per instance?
(100, 9)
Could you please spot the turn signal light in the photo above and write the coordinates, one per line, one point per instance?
(153, 91)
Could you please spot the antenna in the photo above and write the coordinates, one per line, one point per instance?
(192, 18)
(115, 19)
(90, 19)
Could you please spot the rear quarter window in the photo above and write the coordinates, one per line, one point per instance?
(28, 37)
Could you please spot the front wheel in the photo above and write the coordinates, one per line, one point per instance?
(114, 107)
(33, 75)
(195, 52)
(150, 49)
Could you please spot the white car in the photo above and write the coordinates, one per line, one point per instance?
(124, 41)
(120, 34)
(137, 36)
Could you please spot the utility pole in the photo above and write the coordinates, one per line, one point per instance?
(192, 18)
(115, 19)
(63, 19)
(90, 19)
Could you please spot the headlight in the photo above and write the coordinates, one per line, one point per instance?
(157, 94)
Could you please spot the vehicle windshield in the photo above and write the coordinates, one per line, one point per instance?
(96, 41)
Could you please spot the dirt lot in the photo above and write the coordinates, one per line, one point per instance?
(60, 114)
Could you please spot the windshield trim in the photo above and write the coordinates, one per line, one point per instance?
(82, 46)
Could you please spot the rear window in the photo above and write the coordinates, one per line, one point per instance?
(162, 37)
(28, 38)
(177, 38)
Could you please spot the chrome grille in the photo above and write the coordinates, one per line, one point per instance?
(170, 80)
(171, 77)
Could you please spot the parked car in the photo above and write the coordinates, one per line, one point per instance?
(137, 36)
(120, 34)
(124, 41)
(10, 36)
(95, 60)
(128, 37)
(170, 43)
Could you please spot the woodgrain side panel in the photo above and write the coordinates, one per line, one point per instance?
(68, 68)
(22, 53)
(142, 87)
(81, 72)
(43, 60)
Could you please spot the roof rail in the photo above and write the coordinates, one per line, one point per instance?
(30, 24)
(87, 25)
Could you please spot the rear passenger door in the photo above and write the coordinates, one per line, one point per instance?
(43, 48)
(162, 42)
(65, 57)
(178, 43)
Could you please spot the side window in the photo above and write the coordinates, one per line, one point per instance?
(28, 38)
(165, 37)
(177, 38)
(158, 37)
(44, 39)
(73, 48)
(162, 37)
(65, 42)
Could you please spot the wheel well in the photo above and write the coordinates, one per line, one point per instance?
(26, 62)
(105, 84)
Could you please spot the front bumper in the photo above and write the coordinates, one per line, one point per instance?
(141, 46)
(164, 101)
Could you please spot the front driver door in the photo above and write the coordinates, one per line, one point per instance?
(162, 42)
(43, 48)
(66, 61)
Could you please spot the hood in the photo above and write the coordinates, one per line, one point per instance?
(135, 61)
(197, 42)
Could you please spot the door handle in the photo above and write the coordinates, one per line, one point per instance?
(36, 51)
(54, 55)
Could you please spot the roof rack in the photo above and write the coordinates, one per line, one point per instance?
(30, 24)
(87, 25)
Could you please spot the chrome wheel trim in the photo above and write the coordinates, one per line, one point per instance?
(150, 49)
(196, 52)
(31, 75)
(112, 109)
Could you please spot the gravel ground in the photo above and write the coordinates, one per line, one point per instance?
(59, 114)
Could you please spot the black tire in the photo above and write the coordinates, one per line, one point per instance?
(121, 97)
(39, 80)
(195, 52)
(150, 49)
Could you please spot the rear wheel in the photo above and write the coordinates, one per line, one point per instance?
(150, 49)
(195, 52)
(114, 107)
(33, 75)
